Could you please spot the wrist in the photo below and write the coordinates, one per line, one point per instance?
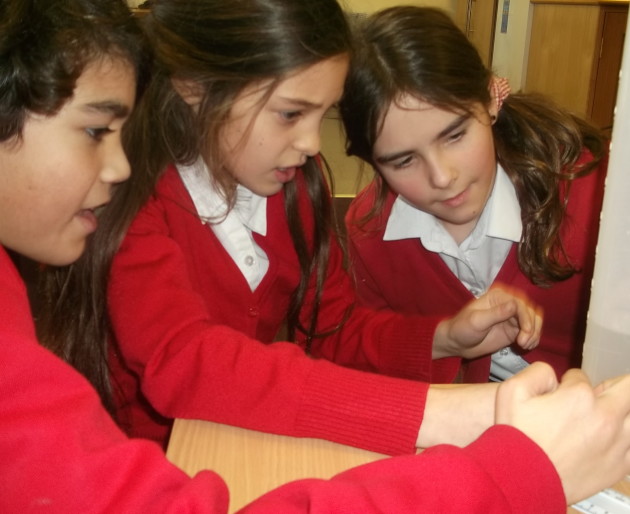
(448, 404)
(443, 345)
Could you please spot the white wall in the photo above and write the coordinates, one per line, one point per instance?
(607, 344)
(510, 48)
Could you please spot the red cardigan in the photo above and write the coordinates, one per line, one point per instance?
(403, 276)
(185, 321)
(62, 453)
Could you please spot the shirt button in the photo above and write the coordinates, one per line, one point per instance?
(253, 312)
(249, 260)
(504, 352)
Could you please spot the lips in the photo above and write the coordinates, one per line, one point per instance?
(457, 200)
(88, 218)
(284, 175)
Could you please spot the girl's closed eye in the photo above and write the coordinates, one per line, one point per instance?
(403, 162)
(97, 133)
(289, 116)
(456, 136)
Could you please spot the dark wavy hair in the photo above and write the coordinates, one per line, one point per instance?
(421, 52)
(45, 45)
(221, 47)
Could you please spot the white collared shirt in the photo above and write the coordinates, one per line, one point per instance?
(478, 259)
(234, 230)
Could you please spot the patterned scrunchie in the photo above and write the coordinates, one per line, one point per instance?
(500, 89)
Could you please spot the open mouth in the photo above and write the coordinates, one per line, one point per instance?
(284, 175)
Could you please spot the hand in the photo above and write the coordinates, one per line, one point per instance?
(584, 431)
(493, 321)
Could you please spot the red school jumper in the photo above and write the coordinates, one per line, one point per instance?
(61, 453)
(405, 277)
(190, 332)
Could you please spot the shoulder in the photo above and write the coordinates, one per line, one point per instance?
(593, 181)
(586, 157)
(170, 191)
(9, 276)
(362, 202)
(169, 203)
(15, 314)
(169, 181)
(361, 206)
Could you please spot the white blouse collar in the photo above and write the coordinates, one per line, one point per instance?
(503, 220)
(210, 202)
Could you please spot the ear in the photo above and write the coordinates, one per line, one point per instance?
(190, 90)
(493, 110)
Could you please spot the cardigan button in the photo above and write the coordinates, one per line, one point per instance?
(253, 312)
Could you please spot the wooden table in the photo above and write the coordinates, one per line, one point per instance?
(252, 463)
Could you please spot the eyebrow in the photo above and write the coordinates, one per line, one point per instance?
(301, 102)
(454, 125)
(114, 108)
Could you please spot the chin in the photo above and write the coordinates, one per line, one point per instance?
(268, 190)
(65, 257)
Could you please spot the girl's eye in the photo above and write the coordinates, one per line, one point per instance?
(456, 136)
(402, 163)
(289, 115)
(97, 133)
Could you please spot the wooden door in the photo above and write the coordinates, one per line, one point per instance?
(477, 19)
(606, 72)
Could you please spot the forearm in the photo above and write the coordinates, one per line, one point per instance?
(456, 413)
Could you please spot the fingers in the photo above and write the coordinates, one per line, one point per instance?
(616, 391)
(574, 377)
(530, 322)
(525, 315)
(609, 383)
(495, 320)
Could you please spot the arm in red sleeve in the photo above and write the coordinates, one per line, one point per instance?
(379, 341)
(190, 367)
(502, 472)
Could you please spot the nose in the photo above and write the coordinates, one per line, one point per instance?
(116, 167)
(441, 173)
(308, 141)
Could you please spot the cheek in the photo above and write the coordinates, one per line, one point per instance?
(411, 187)
(486, 170)
(483, 152)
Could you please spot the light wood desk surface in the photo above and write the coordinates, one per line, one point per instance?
(253, 463)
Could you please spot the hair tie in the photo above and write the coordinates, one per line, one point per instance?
(500, 89)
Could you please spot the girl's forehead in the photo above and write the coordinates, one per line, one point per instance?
(407, 101)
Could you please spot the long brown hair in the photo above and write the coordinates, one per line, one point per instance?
(218, 47)
(421, 52)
